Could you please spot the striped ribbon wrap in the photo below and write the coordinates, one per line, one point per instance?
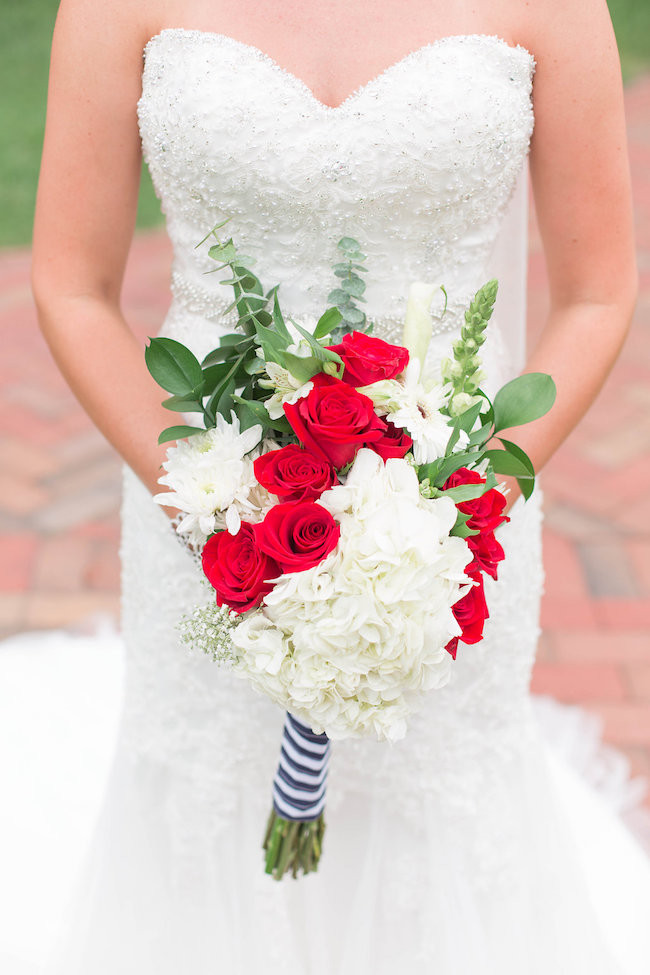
(295, 830)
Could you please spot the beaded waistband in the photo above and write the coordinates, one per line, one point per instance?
(204, 302)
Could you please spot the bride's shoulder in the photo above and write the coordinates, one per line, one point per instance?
(565, 34)
(117, 26)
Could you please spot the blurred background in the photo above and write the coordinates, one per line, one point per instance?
(60, 482)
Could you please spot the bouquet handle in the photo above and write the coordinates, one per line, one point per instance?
(294, 834)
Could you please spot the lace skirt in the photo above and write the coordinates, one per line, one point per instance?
(470, 848)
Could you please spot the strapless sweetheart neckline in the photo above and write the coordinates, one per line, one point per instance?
(368, 86)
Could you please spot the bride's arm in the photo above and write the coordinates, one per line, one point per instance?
(85, 215)
(581, 184)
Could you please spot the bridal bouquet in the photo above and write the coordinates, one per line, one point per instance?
(344, 504)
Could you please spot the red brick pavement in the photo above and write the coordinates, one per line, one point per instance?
(59, 489)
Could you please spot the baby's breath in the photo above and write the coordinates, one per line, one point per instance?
(208, 629)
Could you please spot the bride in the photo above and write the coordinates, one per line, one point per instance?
(468, 848)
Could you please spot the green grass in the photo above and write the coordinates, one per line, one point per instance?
(25, 33)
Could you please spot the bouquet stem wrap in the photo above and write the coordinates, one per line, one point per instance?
(296, 826)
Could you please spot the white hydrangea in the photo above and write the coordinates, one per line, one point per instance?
(415, 406)
(348, 644)
(211, 479)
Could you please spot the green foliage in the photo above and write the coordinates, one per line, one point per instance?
(350, 290)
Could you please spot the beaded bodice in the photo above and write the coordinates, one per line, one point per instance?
(418, 165)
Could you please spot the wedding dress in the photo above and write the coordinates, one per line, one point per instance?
(468, 848)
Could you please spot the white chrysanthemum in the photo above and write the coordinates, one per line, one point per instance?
(415, 406)
(212, 480)
(347, 644)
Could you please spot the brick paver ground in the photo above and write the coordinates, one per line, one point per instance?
(59, 490)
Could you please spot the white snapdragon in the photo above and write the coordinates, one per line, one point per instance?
(347, 644)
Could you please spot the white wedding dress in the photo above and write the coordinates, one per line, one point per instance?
(469, 848)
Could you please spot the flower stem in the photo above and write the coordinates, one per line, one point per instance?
(291, 846)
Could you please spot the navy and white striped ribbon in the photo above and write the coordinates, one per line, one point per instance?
(300, 782)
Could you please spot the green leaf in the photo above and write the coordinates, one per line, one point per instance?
(504, 463)
(226, 253)
(319, 351)
(465, 492)
(273, 345)
(520, 454)
(278, 320)
(467, 419)
(338, 297)
(226, 401)
(450, 464)
(180, 405)
(255, 408)
(353, 286)
(460, 529)
(173, 366)
(212, 375)
(212, 407)
(523, 399)
(302, 368)
(328, 320)
(353, 315)
(253, 366)
(178, 433)
(481, 436)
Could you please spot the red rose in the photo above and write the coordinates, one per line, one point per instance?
(394, 442)
(486, 512)
(334, 420)
(294, 473)
(297, 536)
(471, 612)
(487, 552)
(368, 359)
(237, 569)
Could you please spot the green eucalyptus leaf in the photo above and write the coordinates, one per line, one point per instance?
(338, 297)
(353, 286)
(173, 366)
(354, 316)
(226, 252)
(178, 433)
(523, 399)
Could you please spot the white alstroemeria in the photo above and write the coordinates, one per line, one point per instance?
(287, 389)
(348, 644)
(211, 478)
(415, 406)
